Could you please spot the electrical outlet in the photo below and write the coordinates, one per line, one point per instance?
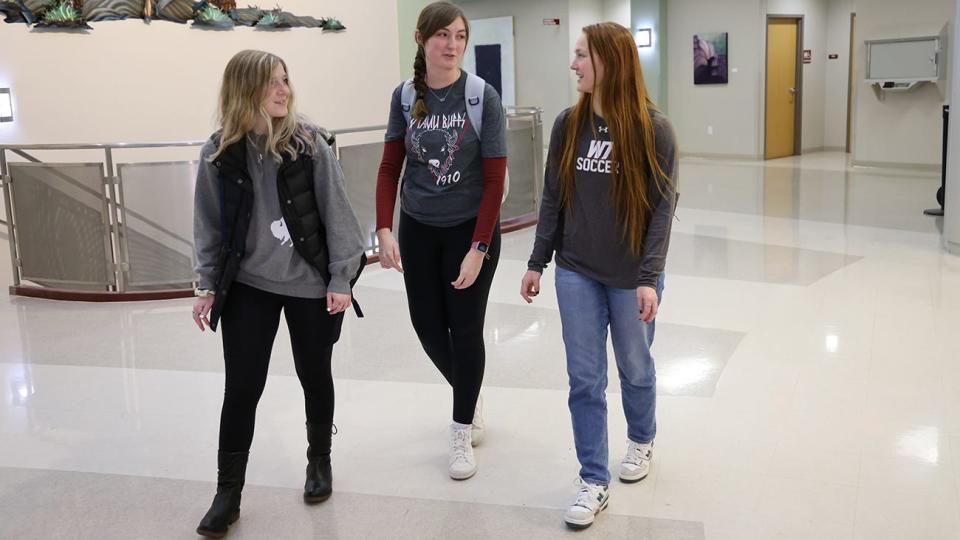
(709, 130)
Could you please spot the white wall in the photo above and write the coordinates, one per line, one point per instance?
(903, 128)
(542, 52)
(732, 110)
(617, 11)
(813, 92)
(951, 219)
(582, 13)
(586, 12)
(495, 31)
(838, 42)
(128, 81)
(407, 13)
(653, 60)
(735, 111)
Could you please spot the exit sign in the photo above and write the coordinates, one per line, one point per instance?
(551, 22)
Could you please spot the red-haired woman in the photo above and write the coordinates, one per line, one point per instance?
(607, 208)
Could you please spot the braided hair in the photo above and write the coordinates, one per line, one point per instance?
(432, 18)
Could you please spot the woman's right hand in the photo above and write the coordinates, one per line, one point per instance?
(201, 311)
(389, 250)
(530, 285)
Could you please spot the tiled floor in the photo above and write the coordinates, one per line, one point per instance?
(808, 365)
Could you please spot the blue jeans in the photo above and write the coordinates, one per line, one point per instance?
(587, 308)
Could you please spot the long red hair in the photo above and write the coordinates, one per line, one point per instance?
(626, 107)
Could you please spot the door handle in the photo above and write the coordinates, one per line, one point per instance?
(793, 91)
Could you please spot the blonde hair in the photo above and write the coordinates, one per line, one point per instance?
(246, 84)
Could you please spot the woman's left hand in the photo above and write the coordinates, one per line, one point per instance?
(469, 269)
(337, 302)
(648, 302)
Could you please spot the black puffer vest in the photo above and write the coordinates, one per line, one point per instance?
(298, 205)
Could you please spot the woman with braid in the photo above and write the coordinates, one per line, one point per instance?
(608, 202)
(449, 126)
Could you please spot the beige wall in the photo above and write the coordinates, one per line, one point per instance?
(128, 81)
(838, 42)
(407, 13)
(617, 11)
(732, 110)
(542, 52)
(906, 127)
(814, 96)
(653, 14)
(582, 13)
(735, 111)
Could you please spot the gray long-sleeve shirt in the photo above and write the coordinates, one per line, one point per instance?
(270, 261)
(592, 242)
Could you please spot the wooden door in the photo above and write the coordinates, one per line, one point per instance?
(783, 90)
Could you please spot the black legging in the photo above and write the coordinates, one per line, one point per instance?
(249, 325)
(449, 322)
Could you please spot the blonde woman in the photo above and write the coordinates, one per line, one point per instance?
(274, 233)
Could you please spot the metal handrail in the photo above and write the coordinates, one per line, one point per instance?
(160, 144)
(165, 144)
(98, 146)
(524, 110)
(357, 130)
(117, 212)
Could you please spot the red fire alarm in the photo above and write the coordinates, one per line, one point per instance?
(551, 22)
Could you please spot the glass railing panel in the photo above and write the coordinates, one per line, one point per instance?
(157, 222)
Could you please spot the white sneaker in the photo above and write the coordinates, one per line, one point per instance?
(636, 464)
(477, 427)
(462, 463)
(591, 500)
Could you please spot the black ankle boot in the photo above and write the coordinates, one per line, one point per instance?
(231, 469)
(319, 484)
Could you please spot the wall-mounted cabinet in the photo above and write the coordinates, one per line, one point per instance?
(900, 65)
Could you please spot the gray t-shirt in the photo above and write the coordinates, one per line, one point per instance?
(443, 178)
(592, 242)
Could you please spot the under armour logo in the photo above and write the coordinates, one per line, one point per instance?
(604, 129)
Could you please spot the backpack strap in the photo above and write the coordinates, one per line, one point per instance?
(408, 96)
(473, 95)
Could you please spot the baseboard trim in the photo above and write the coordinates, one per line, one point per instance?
(823, 149)
(721, 157)
(97, 296)
(924, 167)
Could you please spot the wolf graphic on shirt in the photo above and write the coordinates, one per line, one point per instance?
(436, 140)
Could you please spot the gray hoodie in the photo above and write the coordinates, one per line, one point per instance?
(270, 262)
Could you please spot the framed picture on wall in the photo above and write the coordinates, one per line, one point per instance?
(710, 58)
